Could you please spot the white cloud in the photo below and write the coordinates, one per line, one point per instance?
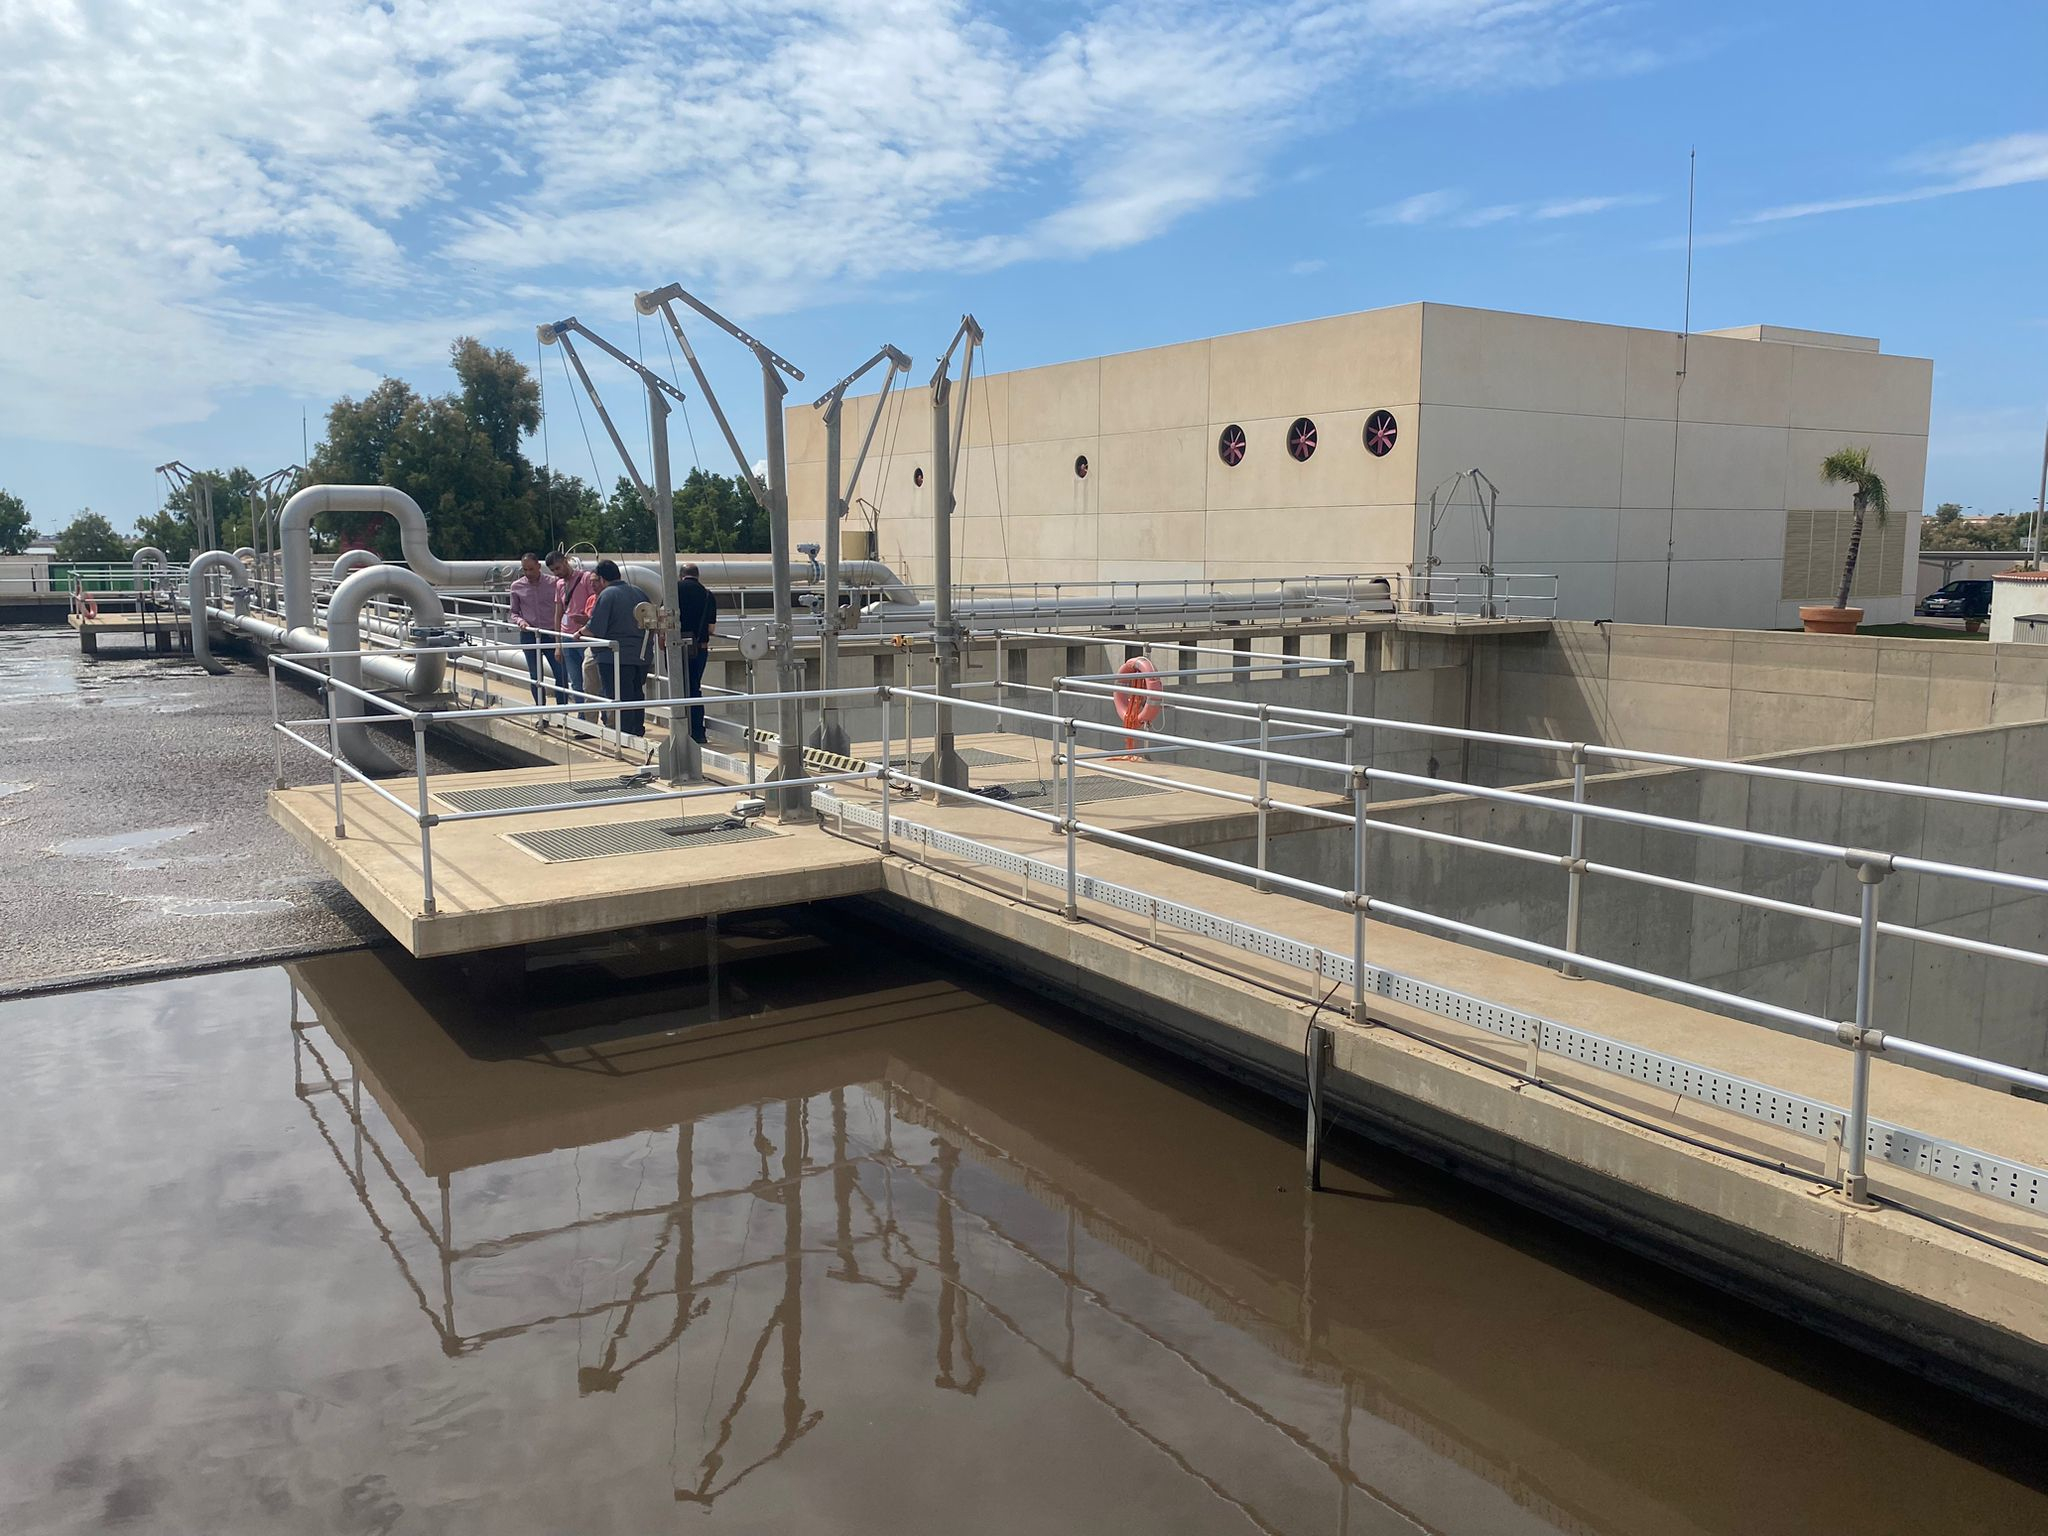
(1421, 208)
(229, 195)
(1447, 204)
(1579, 207)
(2015, 160)
(1307, 267)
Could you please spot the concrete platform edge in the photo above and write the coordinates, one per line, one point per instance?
(1828, 1268)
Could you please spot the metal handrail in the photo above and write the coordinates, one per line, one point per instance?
(1871, 866)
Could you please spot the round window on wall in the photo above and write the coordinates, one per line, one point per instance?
(1381, 431)
(917, 476)
(1081, 467)
(1301, 439)
(1230, 446)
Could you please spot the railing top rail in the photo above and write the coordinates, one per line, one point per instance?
(1936, 792)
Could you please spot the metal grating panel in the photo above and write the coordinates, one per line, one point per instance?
(981, 757)
(510, 797)
(1998, 1178)
(562, 845)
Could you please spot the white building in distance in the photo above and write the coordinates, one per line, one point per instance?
(1661, 479)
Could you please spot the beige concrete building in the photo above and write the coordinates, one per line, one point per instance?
(1653, 494)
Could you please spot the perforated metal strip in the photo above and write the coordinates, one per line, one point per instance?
(1911, 1151)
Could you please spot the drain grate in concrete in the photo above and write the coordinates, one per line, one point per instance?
(562, 845)
(510, 797)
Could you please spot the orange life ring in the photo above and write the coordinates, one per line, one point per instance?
(1138, 709)
(92, 608)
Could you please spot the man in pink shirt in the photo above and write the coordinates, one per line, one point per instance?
(532, 597)
(575, 596)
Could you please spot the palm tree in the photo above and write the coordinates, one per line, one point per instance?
(1851, 467)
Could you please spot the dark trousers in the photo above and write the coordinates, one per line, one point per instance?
(538, 658)
(630, 683)
(698, 656)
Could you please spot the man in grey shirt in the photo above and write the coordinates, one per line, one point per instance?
(624, 672)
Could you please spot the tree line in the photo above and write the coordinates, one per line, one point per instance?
(1948, 529)
(462, 457)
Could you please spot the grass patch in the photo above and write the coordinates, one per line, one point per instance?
(1919, 632)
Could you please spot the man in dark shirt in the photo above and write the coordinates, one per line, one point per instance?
(697, 617)
(624, 671)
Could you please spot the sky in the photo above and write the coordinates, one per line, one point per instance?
(218, 217)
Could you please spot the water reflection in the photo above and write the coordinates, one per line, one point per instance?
(776, 1226)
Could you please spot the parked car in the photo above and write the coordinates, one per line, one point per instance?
(1958, 600)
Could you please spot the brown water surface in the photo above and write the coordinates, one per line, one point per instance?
(823, 1238)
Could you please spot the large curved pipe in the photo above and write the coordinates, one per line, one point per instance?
(345, 633)
(195, 599)
(349, 561)
(295, 529)
(150, 555)
(245, 553)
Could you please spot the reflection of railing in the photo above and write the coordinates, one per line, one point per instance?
(688, 1287)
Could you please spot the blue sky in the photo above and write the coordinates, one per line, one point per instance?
(226, 214)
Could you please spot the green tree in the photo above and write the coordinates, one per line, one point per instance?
(446, 463)
(356, 451)
(15, 532)
(1867, 494)
(90, 540)
(565, 510)
(498, 395)
(716, 514)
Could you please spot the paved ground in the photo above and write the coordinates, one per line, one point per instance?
(132, 825)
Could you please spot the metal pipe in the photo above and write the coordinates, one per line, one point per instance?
(1360, 789)
(195, 599)
(1862, 1039)
(1263, 801)
(944, 765)
(429, 666)
(1576, 867)
(885, 770)
(1072, 909)
(349, 561)
(426, 820)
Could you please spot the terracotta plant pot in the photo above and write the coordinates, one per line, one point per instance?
(1826, 619)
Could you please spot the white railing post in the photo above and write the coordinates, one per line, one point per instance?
(334, 754)
(1073, 906)
(1351, 708)
(276, 722)
(1265, 746)
(1860, 1037)
(1360, 788)
(885, 770)
(1575, 864)
(426, 820)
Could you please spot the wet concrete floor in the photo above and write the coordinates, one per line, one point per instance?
(779, 1228)
(133, 834)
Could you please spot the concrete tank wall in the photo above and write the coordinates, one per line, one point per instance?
(1724, 693)
(1992, 1007)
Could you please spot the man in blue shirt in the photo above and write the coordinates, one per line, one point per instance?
(624, 671)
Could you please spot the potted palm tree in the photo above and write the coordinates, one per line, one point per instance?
(1868, 494)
